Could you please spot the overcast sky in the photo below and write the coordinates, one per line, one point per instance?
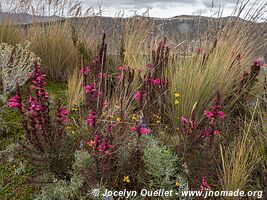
(163, 8)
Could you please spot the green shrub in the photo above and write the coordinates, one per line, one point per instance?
(161, 164)
(63, 190)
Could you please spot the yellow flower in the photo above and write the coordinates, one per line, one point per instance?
(74, 109)
(176, 94)
(134, 118)
(176, 102)
(118, 119)
(158, 121)
(126, 179)
(72, 132)
(68, 127)
(177, 184)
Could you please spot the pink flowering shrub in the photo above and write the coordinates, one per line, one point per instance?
(49, 147)
(155, 83)
(204, 184)
(213, 117)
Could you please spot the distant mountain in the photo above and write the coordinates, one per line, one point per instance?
(23, 18)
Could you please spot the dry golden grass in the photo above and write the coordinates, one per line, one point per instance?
(238, 163)
(197, 77)
(10, 34)
(240, 158)
(136, 38)
(75, 92)
(54, 45)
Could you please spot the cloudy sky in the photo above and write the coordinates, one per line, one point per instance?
(163, 8)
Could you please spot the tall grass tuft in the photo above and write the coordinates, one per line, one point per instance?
(75, 89)
(10, 33)
(215, 63)
(136, 40)
(239, 159)
(54, 45)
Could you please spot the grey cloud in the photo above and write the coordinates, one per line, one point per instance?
(217, 3)
(138, 3)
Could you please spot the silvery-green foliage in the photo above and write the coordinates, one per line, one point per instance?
(161, 163)
(62, 190)
(3, 124)
(82, 159)
(16, 63)
(7, 155)
(184, 186)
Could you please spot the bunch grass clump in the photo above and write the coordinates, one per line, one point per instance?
(54, 45)
(240, 159)
(215, 64)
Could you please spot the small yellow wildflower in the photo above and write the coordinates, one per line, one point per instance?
(68, 127)
(158, 121)
(118, 119)
(117, 107)
(176, 94)
(134, 118)
(177, 184)
(72, 132)
(126, 179)
(176, 102)
(74, 109)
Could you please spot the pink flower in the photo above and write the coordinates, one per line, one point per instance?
(102, 75)
(121, 76)
(220, 114)
(122, 68)
(144, 131)
(206, 133)
(42, 93)
(105, 147)
(34, 104)
(91, 119)
(217, 132)
(189, 123)
(133, 129)
(258, 62)
(156, 81)
(105, 104)
(141, 130)
(102, 147)
(185, 120)
(62, 115)
(209, 114)
(85, 70)
(204, 184)
(138, 96)
(15, 102)
(90, 89)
